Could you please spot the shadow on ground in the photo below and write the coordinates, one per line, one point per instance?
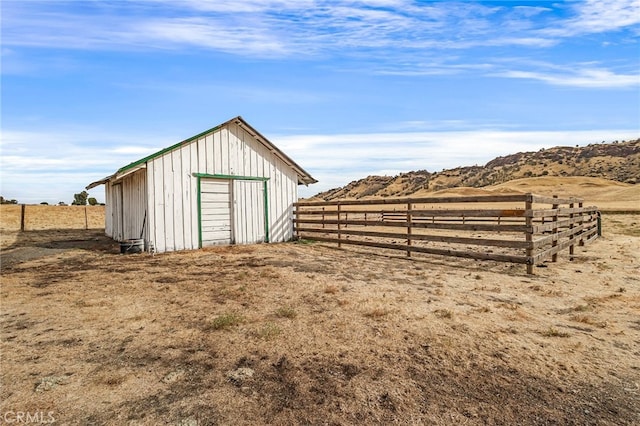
(29, 245)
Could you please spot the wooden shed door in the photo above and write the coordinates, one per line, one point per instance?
(248, 211)
(215, 199)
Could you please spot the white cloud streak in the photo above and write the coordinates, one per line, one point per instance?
(54, 164)
(51, 165)
(395, 32)
(598, 16)
(280, 28)
(585, 77)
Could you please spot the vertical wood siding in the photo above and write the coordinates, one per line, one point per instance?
(126, 202)
(173, 194)
(248, 212)
(117, 212)
(108, 213)
(134, 204)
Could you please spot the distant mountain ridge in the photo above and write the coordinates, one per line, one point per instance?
(619, 161)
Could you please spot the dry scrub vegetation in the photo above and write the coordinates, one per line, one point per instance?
(306, 333)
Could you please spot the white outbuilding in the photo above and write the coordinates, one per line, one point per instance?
(227, 185)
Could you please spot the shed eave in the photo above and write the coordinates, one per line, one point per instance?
(116, 176)
(98, 182)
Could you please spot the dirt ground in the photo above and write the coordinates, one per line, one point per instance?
(306, 333)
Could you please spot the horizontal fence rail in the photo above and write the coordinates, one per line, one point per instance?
(517, 228)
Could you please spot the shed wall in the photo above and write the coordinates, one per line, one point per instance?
(125, 207)
(230, 150)
(134, 203)
(108, 212)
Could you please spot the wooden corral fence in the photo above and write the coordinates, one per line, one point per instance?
(519, 228)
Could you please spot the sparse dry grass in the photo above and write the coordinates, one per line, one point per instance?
(554, 332)
(225, 321)
(586, 319)
(376, 312)
(443, 313)
(140, 339)
(286, 312)
(268, 331)
(40, 217)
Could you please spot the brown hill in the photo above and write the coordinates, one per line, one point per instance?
(617, 161)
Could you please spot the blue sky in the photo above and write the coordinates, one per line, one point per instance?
(346, 88)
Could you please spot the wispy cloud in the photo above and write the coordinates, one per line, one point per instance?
(73, 158)
(302, 27)
(586, 77)
(406, 37)
(598, 16)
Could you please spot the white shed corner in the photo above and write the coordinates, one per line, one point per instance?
(227, 185)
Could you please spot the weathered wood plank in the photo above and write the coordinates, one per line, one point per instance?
(542, 242)
(543, 255)
(421, 237)
(425, 200)
(537, 229)
(428, 213)
(403, 224)
(549, 239)
(430, 250)
(178, 196)
(576, 224)
(540, 199)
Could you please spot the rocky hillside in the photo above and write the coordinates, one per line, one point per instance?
(619, 161)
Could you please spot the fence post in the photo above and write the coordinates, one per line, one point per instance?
(409, 226)
(581, 224)
(528, 236)
(571, 249)
(296, 213)
(339, 243)
(323, 217)
(554, 256)
(22, 209)
(86, 220)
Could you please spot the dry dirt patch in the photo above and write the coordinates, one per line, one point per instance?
(312, 334)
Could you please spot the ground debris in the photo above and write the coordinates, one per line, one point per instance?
(50, 382)
(240, 375)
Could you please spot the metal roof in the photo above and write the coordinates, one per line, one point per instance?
(303, 176)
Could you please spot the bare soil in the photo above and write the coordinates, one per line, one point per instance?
(301, 333)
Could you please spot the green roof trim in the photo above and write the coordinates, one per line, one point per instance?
(165, 150)
(303, 176)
